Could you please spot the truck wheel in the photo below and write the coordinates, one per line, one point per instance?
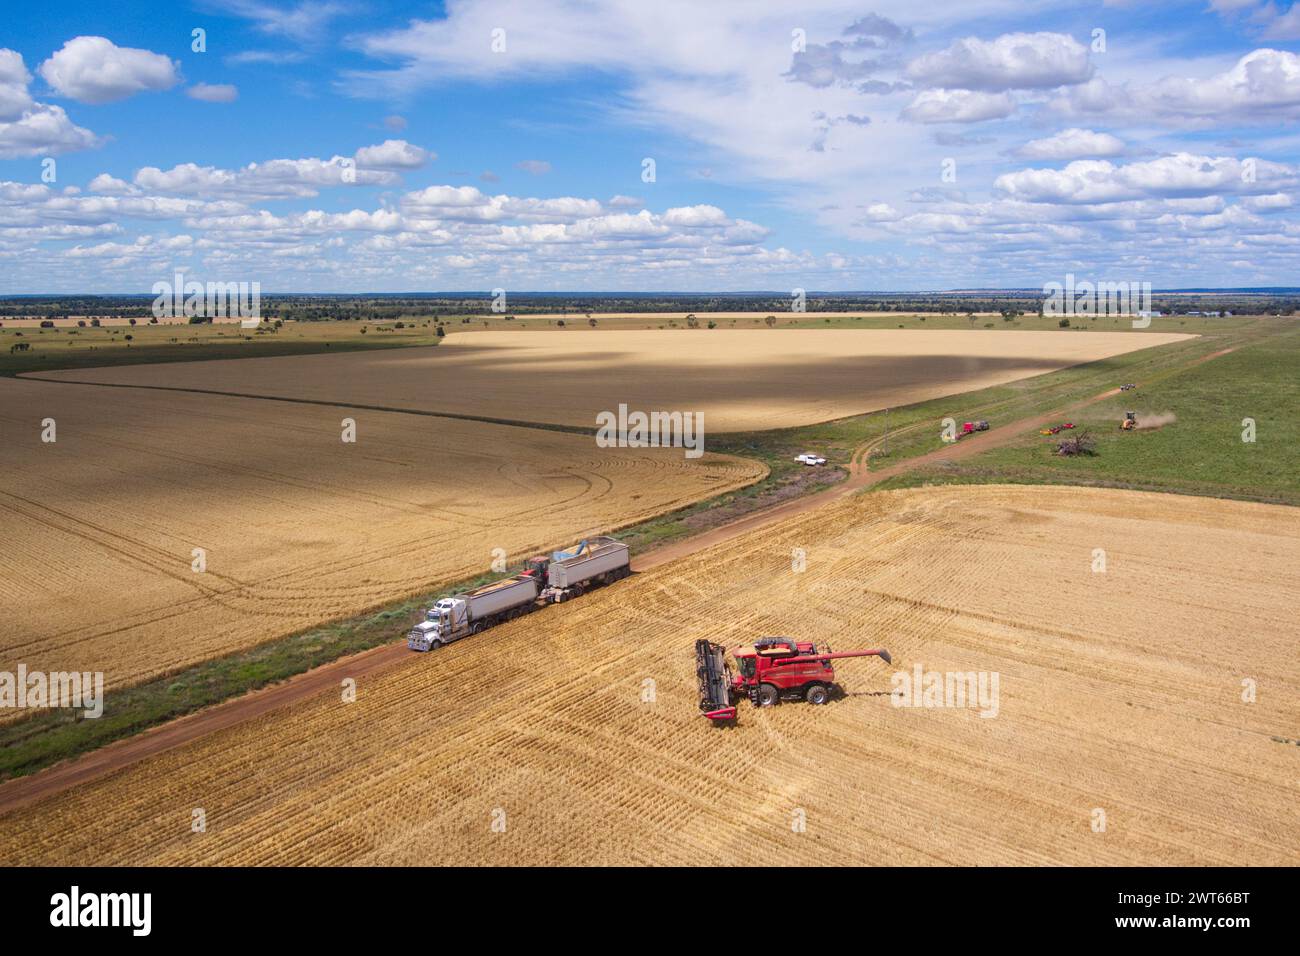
(435, 645)
(767, 695)
(816, 694)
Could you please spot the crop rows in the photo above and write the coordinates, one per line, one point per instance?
(296, 526)
(1120, 692)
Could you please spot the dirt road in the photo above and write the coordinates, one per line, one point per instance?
(26, 790)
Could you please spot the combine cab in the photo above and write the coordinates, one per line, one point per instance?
(766, 671)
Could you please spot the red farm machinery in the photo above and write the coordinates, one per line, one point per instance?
(766, 671)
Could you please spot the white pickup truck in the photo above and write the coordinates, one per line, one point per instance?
(808, 458)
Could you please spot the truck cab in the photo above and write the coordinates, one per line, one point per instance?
(443, 623)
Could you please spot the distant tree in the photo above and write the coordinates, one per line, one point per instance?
(692, 322)
(712, 324)
(132, 321)
(441, 331)
(1064, 323)
(591, 322)
(771, 321)
(560, 323)
(1080, 444)
(81, 324)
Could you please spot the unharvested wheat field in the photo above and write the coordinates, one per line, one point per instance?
(740, 379)
(100, 526)
(1120, 692)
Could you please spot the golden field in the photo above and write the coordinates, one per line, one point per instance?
(741, 379)
(1120, 692)
(299, 528)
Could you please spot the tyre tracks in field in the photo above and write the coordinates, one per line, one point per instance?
(116, 756)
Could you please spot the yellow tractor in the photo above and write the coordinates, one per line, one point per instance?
(1129, 423)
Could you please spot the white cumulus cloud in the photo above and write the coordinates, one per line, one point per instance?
(14, 98)
(1179, 175)
(1013, 61)
(96, 70)
(1072, 143)
(393, 154)
(958, 106)
(44, 130)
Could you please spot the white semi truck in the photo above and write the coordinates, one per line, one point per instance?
(455, 617)
(563, 575)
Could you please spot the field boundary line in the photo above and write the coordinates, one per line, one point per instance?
(509, 422)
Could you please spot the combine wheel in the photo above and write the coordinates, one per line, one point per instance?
(816, 694)
(768, 695)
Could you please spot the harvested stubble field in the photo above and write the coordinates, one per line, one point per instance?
(299, 527)
(740, 379)
(1119, 691)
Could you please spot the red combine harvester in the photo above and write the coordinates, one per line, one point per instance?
(768, 670)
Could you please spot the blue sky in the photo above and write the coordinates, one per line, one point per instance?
(383, 146)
